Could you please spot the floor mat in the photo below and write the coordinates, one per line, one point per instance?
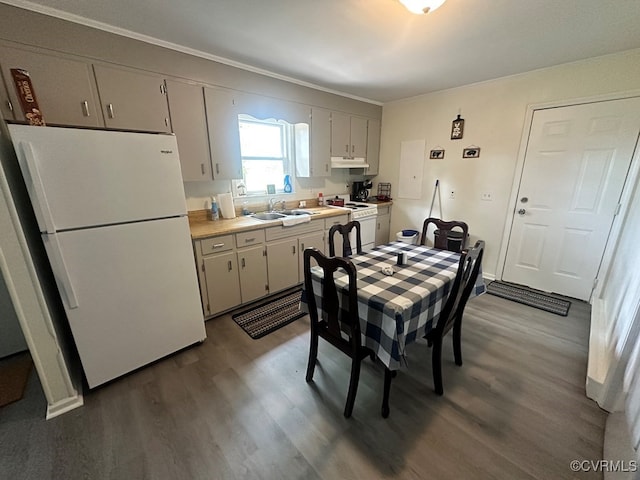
(528, 296)
(268, 317)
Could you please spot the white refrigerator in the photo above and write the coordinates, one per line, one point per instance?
(111, 209)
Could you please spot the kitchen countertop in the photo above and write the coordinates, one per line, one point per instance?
(202, 227)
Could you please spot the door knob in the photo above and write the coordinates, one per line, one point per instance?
(522, 211)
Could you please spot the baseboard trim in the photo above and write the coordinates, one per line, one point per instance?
(64, 406)
(598, 360)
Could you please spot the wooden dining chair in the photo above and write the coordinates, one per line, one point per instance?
(441, 240)
(451, 315)
(338, 325)
(345, 231)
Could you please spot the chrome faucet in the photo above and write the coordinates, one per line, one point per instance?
(273, 202)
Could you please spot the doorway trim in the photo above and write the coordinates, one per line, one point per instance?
(627, 189)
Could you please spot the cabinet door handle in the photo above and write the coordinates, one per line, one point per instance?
(85, 109)
(229, 264)
(10, 105)
(110, 110)
(217, 168)
(202, 168)
(166, 122)
(218, 245)
(326, 167)
(353, 148)
(302, 247)
(293, 249)
(243, 264)
(247, 240)
(378, 225)
(346, 147)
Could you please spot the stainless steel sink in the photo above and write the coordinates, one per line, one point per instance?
(297, 212)
(268, 215)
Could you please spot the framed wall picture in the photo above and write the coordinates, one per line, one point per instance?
(457, 128)
(471, 152)
(436, 154)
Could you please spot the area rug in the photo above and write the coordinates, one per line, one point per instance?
(530, 297)
(269, 317)
(14, 373)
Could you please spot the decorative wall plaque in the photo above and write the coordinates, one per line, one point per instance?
(436, 154)
(471, 152)
(457, 128)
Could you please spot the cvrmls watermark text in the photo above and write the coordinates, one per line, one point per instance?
(603, 466)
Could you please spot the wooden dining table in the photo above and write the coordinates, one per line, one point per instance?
(395, 310)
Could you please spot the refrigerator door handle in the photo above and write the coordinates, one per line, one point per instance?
(38, 187)
(61, 272)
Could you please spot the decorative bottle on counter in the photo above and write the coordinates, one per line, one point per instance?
(320, 199)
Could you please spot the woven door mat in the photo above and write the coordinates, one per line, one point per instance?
(270, 316)
(14, 373)
(528, 296)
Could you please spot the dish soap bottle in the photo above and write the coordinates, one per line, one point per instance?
(287, 184)
(215, 214)
(320, 199)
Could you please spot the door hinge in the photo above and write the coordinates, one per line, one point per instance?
(617, 211)
(208, 308)
(264, 252)
(266, 287)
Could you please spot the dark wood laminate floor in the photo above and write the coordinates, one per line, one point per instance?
(237, 408)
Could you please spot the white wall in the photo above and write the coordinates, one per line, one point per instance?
(494, 114)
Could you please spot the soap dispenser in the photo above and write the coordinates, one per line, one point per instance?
(287, 184)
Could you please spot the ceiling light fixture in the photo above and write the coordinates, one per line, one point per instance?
(421, 6)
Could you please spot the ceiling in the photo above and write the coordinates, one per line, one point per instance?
(372, 50)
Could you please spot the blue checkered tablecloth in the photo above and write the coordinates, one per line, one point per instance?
(396, 310)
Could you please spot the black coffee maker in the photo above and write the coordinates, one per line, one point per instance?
(360, 191)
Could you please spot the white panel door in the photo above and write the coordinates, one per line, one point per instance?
(78, 177)
(130, 293)
(575, 167)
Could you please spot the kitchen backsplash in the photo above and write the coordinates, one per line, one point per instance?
(198, 194)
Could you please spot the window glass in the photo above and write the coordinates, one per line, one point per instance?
(266, 147)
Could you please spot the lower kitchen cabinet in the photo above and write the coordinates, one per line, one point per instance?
(223, 282)
(383, 225)
(282, 264)
(239, 268)
(310, 240)
(253, 273)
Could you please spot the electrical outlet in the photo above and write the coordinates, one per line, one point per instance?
(452, 195)
(486, 196)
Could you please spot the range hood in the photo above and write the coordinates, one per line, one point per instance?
(348, 162)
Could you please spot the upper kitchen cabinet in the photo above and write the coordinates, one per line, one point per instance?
(224, 134)
(348, 135)
(320, 143)
(189, 122)
(6, 106)
(373, 146)
(317, 161)
(132, 100)
(64, 87)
